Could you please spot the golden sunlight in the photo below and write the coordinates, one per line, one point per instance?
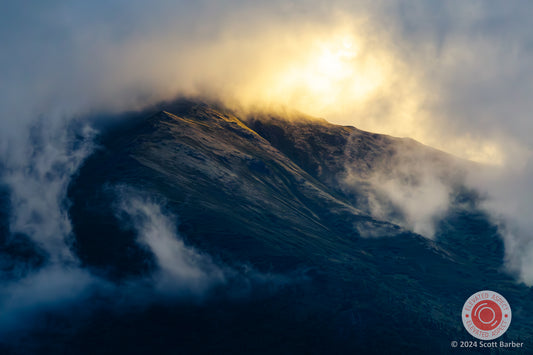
(345, 78)
(326, 76)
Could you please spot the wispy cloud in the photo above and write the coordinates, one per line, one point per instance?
(402, 181)
(182, 274)
(455, 75)
(181, 268)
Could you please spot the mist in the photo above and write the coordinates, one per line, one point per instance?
(54, 288)
(403, 181)
(455, 76)
(181, 269)
(420, 206)
(182, 275)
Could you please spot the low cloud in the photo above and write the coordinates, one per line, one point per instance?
(38, 185)
(403, 182)
(182, 274)
(508, 201)
(51, 289)
(181, 268)
(416, 206)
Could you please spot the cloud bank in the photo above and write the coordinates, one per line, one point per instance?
(446, 74)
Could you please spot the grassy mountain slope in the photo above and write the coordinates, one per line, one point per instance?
(270, 193)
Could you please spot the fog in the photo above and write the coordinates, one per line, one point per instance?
(453, 75)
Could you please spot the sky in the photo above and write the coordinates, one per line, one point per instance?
(455, 75)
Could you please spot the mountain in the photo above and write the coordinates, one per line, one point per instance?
(293, 199)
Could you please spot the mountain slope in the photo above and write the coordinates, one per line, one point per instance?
(234, 176)
(271, 193)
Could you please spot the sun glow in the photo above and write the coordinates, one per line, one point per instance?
(328, 75)
(349, 77)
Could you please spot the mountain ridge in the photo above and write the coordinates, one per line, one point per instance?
(248, 200)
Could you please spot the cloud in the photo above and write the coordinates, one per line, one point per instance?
(421, 205)
(509, 203)
(454, 75)
(50, 289)
(182, 274)
(38, 186)
(409, 69)
(414, 69)
(182, 269)
(406, 183)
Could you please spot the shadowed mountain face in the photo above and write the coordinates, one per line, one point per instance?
(293, 198)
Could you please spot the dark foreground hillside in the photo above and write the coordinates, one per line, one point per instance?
(284, 206)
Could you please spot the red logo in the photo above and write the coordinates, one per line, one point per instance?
(486, 315)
